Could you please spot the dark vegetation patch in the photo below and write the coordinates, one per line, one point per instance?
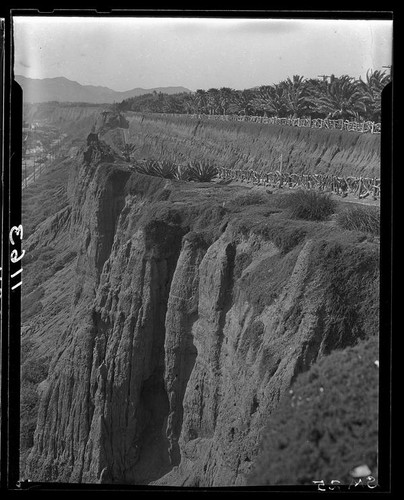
(285, 234)
(308, 205)
(327, 425)
(162, 211)
(163, 237)
(350, 274)
(196, 213)
(265, 282)
(211, 220)
(196, 240)
(360, 218)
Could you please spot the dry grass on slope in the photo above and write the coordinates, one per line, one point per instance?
(46, 196)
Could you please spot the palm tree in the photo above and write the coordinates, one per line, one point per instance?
(340, 98)
(189, 102)
(226, 98)
(201, 100)
(271, 100)
(297, 96)
(213, 103)
(372, 91)
(243, 102)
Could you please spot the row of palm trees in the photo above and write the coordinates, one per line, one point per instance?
(331, 97)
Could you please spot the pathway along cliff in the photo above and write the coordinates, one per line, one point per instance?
(166, 323)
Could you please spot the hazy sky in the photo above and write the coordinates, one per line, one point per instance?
(123, 53)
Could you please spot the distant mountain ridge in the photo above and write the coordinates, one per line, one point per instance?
(62, 89)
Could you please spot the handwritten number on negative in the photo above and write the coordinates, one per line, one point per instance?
(18, 230)
(14, 257)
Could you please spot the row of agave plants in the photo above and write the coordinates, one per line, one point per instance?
(196, 170)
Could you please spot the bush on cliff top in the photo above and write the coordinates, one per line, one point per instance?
(248, 198)
(366, 219)
(326, 425)
(349, 275)
(286, 234)
(308, 205)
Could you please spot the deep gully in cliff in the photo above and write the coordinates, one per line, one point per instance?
(153, 399)
(162, 247)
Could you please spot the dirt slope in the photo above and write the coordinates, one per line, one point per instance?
(253, 145)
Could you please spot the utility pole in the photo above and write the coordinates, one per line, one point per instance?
(280, 170)
(389, 67)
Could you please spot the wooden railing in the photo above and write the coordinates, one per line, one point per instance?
(350, 126)
(361, 187)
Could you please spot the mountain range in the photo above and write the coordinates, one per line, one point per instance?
(62, 89)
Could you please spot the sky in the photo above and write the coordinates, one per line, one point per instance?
(197, 53)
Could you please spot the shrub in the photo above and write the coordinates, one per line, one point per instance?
(326, 425)
(308, 205)
(360, 218)
(249, 198)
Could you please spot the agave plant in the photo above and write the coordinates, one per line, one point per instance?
(128, 150)
(142, 166)
(201, 171)
(182, 173)
(164, 168)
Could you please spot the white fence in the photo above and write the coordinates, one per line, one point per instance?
(350, 126)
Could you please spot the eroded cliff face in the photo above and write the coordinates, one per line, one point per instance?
(182, 338)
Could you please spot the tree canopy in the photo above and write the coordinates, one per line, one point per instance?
(330, 97)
